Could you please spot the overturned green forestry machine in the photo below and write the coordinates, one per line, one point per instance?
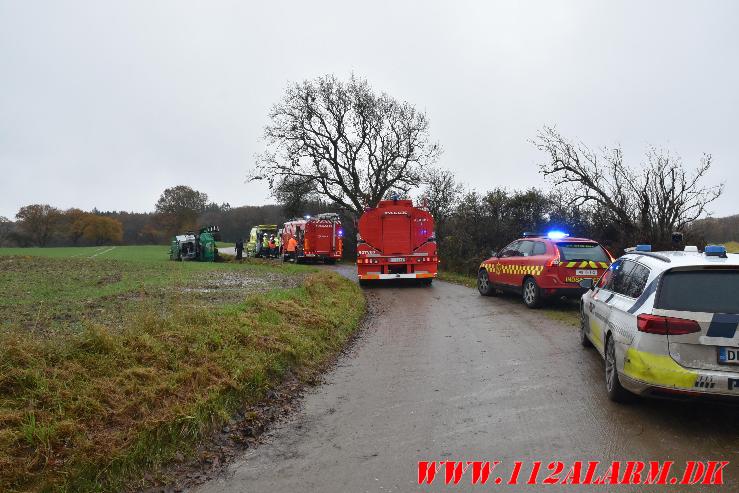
(199, 246)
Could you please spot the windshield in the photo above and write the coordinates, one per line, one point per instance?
(582, 251)
(710, 291)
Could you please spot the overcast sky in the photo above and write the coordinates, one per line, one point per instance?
(105, 104)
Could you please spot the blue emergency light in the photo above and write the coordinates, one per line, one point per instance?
(643, 248)
(715, 251)
(340, 233)
(557, 235)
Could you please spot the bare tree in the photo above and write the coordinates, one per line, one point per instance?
(647, 203)
(441, 193)
(671, 197)
(345, 142)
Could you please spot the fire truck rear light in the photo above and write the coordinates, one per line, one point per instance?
(654, 324)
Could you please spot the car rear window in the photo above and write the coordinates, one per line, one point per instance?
(582, 251)
(711, 291)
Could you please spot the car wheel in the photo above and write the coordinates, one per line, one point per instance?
(584, 341)
(531, 294)
(616, 392)
(484, 286)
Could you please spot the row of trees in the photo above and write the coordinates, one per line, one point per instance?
(179, 209)
(719, 230)
(42, 225)
(343, 142)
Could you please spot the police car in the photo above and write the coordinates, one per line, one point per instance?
(666, 323)
(540, 266)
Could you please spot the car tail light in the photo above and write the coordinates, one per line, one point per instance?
(654, 324)
(553, 261)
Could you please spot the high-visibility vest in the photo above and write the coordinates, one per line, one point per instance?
(291, 244)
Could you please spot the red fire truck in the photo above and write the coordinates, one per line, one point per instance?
(320, 238)
(396, 241)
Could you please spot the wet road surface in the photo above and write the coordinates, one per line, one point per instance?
(441, 373)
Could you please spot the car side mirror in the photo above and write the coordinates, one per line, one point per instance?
(587, 283)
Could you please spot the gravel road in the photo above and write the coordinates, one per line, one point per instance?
(442, 373)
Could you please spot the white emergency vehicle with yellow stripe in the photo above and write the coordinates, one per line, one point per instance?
(666, 323)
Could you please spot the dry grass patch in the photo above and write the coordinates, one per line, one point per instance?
(87, 410)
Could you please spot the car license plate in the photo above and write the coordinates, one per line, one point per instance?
(397, 259)
(586, 272)
(728, 355)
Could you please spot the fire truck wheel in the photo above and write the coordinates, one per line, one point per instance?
(483, 284)
(426, 282)
(531, 293)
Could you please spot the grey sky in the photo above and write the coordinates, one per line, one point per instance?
(105, 104)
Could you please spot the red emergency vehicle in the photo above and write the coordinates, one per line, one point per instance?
(395, 240)
(541, 266)
(320, 238)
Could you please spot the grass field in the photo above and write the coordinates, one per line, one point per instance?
(112, 361)
(566, 311)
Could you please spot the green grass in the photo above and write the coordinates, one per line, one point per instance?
(149, 253)
(456, 278)
(732, 246)
(565, 311)
(108, 367)
(62, 288)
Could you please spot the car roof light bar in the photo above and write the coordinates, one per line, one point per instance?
(715, 251)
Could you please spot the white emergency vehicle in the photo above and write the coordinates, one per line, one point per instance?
(666, 323)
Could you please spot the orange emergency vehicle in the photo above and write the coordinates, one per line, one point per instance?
(319, 238)
(395, 240)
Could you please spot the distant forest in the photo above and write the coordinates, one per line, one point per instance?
(179, 210)
(146, 228)
(718, 229)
